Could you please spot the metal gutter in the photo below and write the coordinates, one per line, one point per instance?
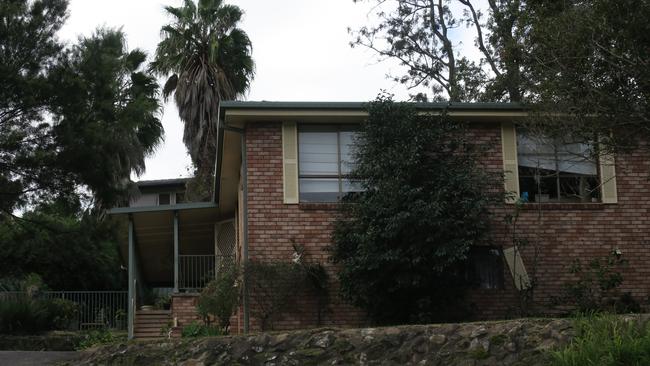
(241, 132)
(217, 159)
(180, 206)
(231, 105)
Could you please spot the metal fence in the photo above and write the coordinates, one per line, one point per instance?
(197, 270)
(95, 309)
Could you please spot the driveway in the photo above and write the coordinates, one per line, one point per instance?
(31, 358)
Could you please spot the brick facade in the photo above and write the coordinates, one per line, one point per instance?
(561, 232)
(273, 226)
(184, 312)
(183, 309)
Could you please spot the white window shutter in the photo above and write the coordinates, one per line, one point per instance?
(608, 178)
(517, 268)
(290, 162)
(510, 166)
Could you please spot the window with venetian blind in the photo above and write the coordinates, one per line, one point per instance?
(556, 169)
(325, 159)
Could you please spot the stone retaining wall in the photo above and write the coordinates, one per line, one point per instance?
(514, 342)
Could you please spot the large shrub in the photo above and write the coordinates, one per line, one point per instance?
(23, 314)
(220, 298)
(25, 310)
(274, 288)
(69, 249)
(424, 203)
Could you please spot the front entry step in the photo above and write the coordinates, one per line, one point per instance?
(149, 324)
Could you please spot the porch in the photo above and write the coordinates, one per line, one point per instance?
(171, 251)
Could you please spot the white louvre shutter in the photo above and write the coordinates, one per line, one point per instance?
(290, 162)
(510, 166)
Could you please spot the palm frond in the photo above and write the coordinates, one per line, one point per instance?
(170, 86)
(209, 60)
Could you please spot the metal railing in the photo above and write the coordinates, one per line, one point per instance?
(95, 309)
(195, 271)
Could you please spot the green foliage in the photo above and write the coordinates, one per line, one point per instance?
(596, 286)
(27, 157)
(316, 279)
(588, 65)
(72, 119)
(206, 58)
(23, 314)
(606, 340)
(163, 301)
(97, 337)
(70, 250)
(195, 329)
(423, 36)
(24, 309)
(424, 204)
(220, 299)
(107, 111)
(274, 287)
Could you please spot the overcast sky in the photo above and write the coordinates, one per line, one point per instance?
(300, 47)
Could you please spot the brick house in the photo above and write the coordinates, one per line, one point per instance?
(281, 167)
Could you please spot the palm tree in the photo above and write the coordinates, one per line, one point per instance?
(206, 59)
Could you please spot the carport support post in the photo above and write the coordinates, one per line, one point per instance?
(131, 308)
(176, 269)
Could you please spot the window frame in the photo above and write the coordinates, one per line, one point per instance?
(340, 177)
(557, 175)
(169, 196)
(476, 259)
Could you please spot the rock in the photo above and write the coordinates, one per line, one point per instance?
(438, 339)
(507, 343)
(478, 345)
(546, 345)
(324, 340)
(278, 339)
(262, 339)
(258, 349)
(480, 331)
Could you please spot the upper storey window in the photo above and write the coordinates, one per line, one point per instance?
(556, 170)
(325, 162)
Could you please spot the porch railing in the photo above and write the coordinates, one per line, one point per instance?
(195, 271)
(95, 309)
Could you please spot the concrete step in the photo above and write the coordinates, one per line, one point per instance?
(152, 316)
(154, 312)
(151, 325)
(149, 320)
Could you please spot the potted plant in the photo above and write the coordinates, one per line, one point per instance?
(163, 302)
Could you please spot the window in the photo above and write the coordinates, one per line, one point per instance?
(556, 170)
(163, 199)
(485, 267)
(180, 197)
(324, 162)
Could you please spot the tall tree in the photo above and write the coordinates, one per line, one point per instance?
(106, 110)
(70, 118)
(589, 66)
(424, 204)
(28, 49)
(423, 36)
(206, 58)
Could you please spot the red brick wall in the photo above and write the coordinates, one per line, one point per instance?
(184, 309)
(562, 233)
(272, 226)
